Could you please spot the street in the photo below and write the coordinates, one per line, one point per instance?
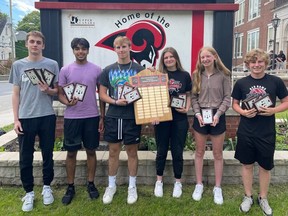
(6, 113)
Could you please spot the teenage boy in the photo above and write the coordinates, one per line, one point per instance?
(34, 115)
(120, 125)
(82, 121)
(256, 143)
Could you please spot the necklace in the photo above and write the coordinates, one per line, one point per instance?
(128, 68)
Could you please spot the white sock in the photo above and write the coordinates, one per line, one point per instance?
(112, 181)
(132, 181)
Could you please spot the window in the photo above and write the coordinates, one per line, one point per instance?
(270, 37)
(238, 42)
(254, 9)
(252, 39)
(239, 15)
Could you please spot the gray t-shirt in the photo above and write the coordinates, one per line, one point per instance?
(33, 103)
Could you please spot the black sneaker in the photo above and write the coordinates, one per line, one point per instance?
(92, 191)
(67, 198)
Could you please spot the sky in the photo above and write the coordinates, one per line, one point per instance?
(20, 8)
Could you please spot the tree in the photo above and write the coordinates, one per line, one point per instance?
(3, 15)
(31, 22)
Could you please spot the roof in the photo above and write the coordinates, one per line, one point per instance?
(3, 22)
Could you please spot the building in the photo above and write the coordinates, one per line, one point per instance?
(253, 27)
(7, 44)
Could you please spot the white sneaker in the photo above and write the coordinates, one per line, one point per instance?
(158, 190)
(264, 205)
(47, 195)
(246, 204)
(198, 191)
(109, 194)
(132, 195)
(28, 200)
(177, 191)
(218, 198)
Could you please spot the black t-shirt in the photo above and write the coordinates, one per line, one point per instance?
(259, 126)
(179, 82)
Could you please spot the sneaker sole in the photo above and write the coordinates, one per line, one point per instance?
(48, 203)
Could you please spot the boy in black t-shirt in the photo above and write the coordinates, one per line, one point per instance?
(256, 143)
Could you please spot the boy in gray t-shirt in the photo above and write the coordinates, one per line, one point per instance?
(32, 100)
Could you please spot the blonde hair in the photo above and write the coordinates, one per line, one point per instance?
(119, 40)
(162, 67)
(35, 34)
(255, 54)
(218, 64)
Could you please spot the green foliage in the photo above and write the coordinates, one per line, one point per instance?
(31, 22)
(189, 143)
(230, 144)
(3, 15)
(20, 49)
(8, 128)
(149, 142)
(282, 133)
(58, 144)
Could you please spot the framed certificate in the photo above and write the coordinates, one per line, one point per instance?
(132, 96)
(33, 76)
(119, 91)
(207, 116)
(177, 102)
(80, 91)
(248, 103)
(263, 102)
(48, 76)
(68, 91)
(40, 75)
(183, 96)
(126, 89)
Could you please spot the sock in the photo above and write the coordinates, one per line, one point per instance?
(71, 185)
(132, 181)
(90, 183)
(112, 181)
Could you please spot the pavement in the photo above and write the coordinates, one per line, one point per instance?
(6, 111)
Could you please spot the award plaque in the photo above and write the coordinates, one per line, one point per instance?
(177, 102)
(263, 102)
(132, 96)
(248, 103)
(40, 75)
(48, 76)
(80, 91)
(68, 91)
(119, 91)
(33, 76)
(183, 96)
(207, 116)
(154, 102)
(125, 89)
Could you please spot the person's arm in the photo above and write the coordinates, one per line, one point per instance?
(268, 111)
(102, 105)
(247, 113)
(107, 99)
(15, 105)
(46, 89)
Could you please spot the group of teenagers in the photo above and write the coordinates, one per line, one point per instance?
(84, 120)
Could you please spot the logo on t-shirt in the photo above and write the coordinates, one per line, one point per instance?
(174, 85)
(257, 91)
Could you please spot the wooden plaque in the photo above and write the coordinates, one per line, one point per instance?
(154, 102)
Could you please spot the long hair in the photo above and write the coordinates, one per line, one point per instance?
(162, 67)
(218, 65)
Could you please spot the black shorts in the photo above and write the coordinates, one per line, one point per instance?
(254, 149)
(208, 129)
(78, 131)
(118, 130)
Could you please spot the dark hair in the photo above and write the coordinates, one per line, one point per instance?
(80, 41)
(162, 67)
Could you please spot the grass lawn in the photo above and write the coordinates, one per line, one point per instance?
(147, 204)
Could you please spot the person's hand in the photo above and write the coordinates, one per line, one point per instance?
(155, 122)
(121, 102)
(101, 125)
(215, 120)
(200, 120)
(249, 113)
(152, 69)
(43, 87)
(182, 110)
(73, 102)
(266, 111)
(18, 127)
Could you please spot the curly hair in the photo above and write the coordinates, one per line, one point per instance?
(255, 54)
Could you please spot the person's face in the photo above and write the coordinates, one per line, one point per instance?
(207, 58)
(169, 61)
(123, 50)
(258, 66)
(35, 45)
(80, 53)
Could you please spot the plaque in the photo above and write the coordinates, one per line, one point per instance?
(248, 103)
(68, 91)
(48, 76)
(154, 102)
(33, 76)
(80, 91)
(40, 75)
(263, 102)
(119, 91)
(177, 102)
(207, 116)
(125, 89)
(132, 96)
(183, 96)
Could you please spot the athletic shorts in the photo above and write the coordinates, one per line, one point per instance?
(118, 130)
(254, 149)
(208, 129)
(78, 131)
